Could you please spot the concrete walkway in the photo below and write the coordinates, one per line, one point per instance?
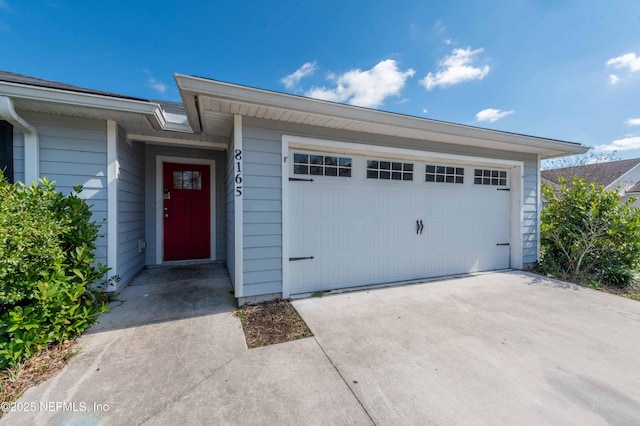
(501, 348)
(172, 352)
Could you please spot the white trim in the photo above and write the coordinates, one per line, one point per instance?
(389, 152)
(113, 170)
(516, 205)
(516, 185)
(31, 140)
(621, 180)
(160, 160)
(162, 140)
(238, 207)
(285, 218)
(539, 207)
(86, 100)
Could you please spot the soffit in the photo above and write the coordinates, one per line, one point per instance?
(216, 116)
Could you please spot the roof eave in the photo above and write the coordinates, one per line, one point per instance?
(190, 87)
(151, 110)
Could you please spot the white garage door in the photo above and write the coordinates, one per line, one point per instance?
(363, 220)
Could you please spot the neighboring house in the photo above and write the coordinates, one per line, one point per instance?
(622, 176)
(295, 194)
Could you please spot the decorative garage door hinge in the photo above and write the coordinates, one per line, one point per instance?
(300, 180)
(502, 244)
(293, 259)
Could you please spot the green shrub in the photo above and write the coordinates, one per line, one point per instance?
(49, 286)
(587, 233)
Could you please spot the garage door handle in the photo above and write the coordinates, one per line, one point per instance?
(293, 259)
(502, 244)
(419, 226)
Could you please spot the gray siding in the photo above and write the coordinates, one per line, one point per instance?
(18, 155)
(151, 152)
(131, 221)
(262, 216)
(230, 219)
(73, 151)
(263, 198)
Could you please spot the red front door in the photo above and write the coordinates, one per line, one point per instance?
(187, 224)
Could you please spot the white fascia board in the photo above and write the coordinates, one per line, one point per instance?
(162, 140)
(85, 100)
(260, 97)
(622, 179)
(190, 107)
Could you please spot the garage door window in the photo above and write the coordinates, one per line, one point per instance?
(389, 170)
(490, 177)
(444, 174)
(321, 165)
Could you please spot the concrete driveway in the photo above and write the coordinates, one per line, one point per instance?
(501, 348)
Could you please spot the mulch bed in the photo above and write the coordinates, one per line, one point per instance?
(16, 380)
(271, 322)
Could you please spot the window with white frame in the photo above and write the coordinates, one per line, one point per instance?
(321, 165)
(490, 177)
(389, 170)
(444, 174)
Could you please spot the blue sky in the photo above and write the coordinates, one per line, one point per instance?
(566, 70)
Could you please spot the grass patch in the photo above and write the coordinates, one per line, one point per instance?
(14, 381)
(632, 292)
(271, 322)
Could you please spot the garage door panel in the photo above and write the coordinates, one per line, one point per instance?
(363, 231)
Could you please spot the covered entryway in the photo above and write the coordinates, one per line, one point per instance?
(359, 220)
(186, 211)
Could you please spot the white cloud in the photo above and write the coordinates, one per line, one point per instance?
(490, 115)
(625, 144)
(633, 122)
(369, 88)
(448, 42)
(154, 83)
(291, 81)
(424, 111)
(456, 68)
(628, 61)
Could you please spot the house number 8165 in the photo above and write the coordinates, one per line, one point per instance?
(237, 156)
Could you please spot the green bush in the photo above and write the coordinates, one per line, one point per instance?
(587, 233)
(49, 287)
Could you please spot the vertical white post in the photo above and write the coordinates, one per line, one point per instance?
(112, 200)
(539, 208)
(238, 206)
(284, 152)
